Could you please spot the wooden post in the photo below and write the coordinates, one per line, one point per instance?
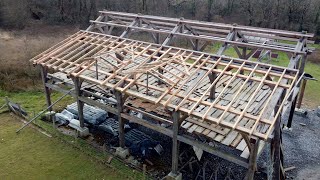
(293, 106)
(276, 149)
(196, 48)
(97, 69)
(105, 28)
(303, 87)
(44, 78)
(157, 38)
(302, 64)
(244, 53)
(253, 158)
(212, 77)
(80, 104)
(120, 102)
(175, 146)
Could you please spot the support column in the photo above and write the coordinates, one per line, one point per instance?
(80, 104)
(293, 107)
(244, 53)
(44, 78)
(175, 146)
(301, 94)
(212, 77)
(174, 174)
(253, 158)
(157, 40)
(196, 48)
(278, 172)
(120, 102)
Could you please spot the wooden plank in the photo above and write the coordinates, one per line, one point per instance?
(199, 129)
(245, 154)
(206, 132)
(236, 141)
(219, 138)
(230, 138)
(242, 145)
(212, 135)
(192, 128)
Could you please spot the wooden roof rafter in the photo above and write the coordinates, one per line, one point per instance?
(184, 71)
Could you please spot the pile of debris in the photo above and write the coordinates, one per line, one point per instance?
(139, 144)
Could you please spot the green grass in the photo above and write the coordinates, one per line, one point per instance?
(32, 155)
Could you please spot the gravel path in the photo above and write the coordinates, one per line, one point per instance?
(302, 147)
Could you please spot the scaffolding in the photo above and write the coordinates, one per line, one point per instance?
(232, 101)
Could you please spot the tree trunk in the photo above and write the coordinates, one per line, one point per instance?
(209, 17)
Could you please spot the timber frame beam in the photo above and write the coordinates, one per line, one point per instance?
(250, 38)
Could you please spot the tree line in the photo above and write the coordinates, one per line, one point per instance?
(296, 15)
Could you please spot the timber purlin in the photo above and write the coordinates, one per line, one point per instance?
(185, 72)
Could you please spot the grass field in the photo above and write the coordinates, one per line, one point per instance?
(32, 155)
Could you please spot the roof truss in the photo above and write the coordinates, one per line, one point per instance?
(195, 31)
(176, 78)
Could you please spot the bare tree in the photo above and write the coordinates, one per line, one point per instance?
(209, 14)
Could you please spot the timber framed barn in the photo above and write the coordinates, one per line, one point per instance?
(237, 102)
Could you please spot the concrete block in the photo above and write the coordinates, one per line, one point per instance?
(133, 161)
(83, 132)
(285, 128)
(50, 115)
(172, 176)
(300, 112)
(75, 124)
(121, 152)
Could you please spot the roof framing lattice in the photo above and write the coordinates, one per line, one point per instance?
(176, 78)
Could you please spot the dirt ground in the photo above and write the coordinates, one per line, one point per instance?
(18, 46)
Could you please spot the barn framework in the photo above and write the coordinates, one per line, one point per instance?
(233, 102)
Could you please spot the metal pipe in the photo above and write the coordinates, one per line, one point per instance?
(43, 111)
(3, 106)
